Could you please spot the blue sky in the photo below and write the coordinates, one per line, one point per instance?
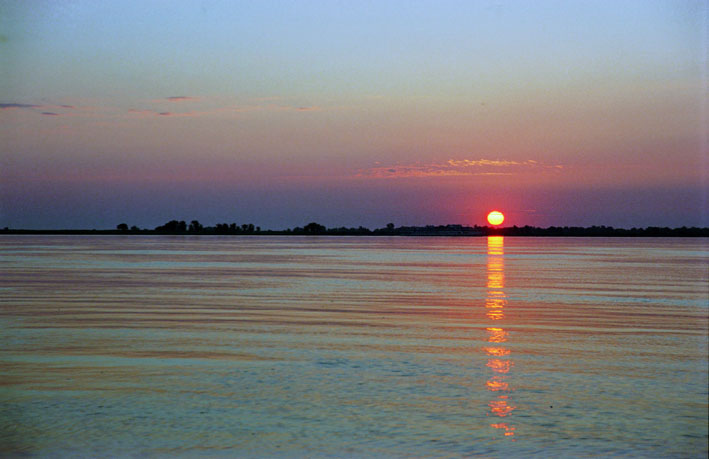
(279, 113)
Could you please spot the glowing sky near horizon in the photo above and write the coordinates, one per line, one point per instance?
(349, 113)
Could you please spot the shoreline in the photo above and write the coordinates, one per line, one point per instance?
(417, 232)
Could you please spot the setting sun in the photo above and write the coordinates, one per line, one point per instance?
(495, 217)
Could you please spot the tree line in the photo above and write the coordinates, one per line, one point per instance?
(179, 227)
(314, 228)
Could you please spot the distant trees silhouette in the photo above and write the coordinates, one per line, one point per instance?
(173, 226)
(232, 228)
(123, 228)
(314, 228)
(195, 227)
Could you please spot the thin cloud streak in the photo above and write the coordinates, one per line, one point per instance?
(457, 167)
(180, 98)
(489, 162)
(134, 111)
(226, 110)
(182, 114)
(13, 105)
(37, 107)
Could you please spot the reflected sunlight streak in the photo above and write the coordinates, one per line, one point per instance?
(496, 351)
(495, 310)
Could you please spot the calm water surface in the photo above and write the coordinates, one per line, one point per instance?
(290, 346)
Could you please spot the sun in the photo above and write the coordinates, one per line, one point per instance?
(495, 218)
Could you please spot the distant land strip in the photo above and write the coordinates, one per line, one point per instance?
(180, 227)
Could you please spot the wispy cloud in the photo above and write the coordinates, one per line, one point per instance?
(489, 162)
(12, 105)
(159, 108)
(182, 114)
(180, 98)
(173, 99)
(223, 110)
(43, 109)
(134, 111)
(270, 107)
(456, 167)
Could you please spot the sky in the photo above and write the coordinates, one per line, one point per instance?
(348, 113)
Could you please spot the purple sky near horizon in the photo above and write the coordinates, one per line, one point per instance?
(279, 113)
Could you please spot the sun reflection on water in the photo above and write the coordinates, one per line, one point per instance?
(498, 362)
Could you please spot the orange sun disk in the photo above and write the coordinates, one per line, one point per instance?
(495, 217)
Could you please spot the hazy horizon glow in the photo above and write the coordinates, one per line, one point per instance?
(353, 113)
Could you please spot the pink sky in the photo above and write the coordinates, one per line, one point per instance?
(557, 115)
